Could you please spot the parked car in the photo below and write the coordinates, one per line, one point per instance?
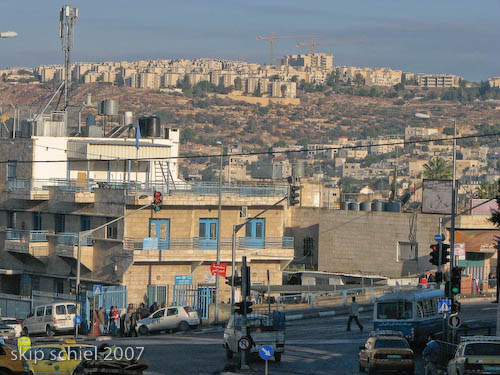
(262, 329)
(10, 363)
(175, 317)
(386, 351)
(50, 319)
(476, 355)
(7, 332)
(13, 323)
(58, 358)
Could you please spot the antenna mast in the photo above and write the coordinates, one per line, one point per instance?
(67, 17)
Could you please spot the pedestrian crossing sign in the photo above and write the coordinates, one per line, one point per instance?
(444, 305)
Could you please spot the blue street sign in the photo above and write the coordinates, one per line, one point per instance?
(266, 352)
(78, 320)
(438, 238)
(444, 305)
(97, 290)
(183, 279)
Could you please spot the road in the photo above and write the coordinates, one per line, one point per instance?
(314, 346)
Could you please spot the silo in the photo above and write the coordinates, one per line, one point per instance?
(128, 118)
(108, 107)
(90, 120)
(345, 205)
(393, 207)
(353, 206)
(377, 205)
(365, 206)
(150, 126)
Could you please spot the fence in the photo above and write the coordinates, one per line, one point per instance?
(14, 306)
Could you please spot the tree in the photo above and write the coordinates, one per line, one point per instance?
(437, 168)
(487, 190)
(238, 84)
(359, 80)
(284, 89)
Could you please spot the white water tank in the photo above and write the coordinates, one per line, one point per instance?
(128, 118)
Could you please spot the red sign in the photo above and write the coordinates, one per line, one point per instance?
(218, 268)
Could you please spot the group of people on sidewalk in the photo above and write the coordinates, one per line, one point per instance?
(116, 323)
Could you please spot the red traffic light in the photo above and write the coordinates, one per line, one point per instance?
(157, 194)
(434, 247)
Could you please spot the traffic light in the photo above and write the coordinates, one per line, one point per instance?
(238, 308)
(245, 275)
(456, 280)
(157, 199)
(434, 254)
(455, 307)
(445, 253)
(243, 308)
(439, 277)
(249, 307)
(292, 193)
(237, 280)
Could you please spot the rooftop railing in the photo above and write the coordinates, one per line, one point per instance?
(201, 243)
(26, 235)
(71, 239)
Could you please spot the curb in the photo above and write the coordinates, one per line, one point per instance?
(321, 314)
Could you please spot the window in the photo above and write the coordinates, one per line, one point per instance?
(159, 314)
(407, 251)
(11, 170)
(59, 223)
(40, 310)
(84, 223)
(427, 308)
(60, 310)
(11, 221)
(391, 344)
(37, 221)
(58, 286)
(394, 310)
(171, 312)
(71, 309)
(35, 283)
(111, 229)
(48, 310)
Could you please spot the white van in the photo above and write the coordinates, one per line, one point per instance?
(51, 318)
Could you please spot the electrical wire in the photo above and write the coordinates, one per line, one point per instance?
(244, 154)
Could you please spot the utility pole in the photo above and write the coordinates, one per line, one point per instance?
(219, 224)
(453, 207)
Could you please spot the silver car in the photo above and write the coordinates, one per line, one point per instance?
(169, 318)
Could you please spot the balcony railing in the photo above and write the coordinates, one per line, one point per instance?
(133, 188)
(71, 239)
(197, 243)
(26, 235)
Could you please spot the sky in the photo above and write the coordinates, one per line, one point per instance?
(419, 36)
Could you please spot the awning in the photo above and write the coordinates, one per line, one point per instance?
(483, 241)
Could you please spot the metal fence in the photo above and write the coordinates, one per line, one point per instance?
(14, 306)
(72, 239)
(26, 235)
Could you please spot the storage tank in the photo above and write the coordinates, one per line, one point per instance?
(377, 205)
(353, 206)
(108, 107)
(128, 118)
(90, 120)
(393, 206)
(345, 205)
(150, 126)
(365, 206)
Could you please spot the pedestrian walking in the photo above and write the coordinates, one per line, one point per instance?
(101, 320)
(354, 315)
(431, 355)
(112, 323)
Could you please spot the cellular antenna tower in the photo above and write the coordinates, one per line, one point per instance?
(67, 18)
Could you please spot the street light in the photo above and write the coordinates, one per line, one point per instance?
(8, 34)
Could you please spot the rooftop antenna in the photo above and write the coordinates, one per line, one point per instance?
(67, 17)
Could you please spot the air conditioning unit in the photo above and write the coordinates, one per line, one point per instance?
(244, 211)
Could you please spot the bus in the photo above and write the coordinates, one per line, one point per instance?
(414, 313)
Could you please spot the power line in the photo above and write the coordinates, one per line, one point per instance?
(247, 154)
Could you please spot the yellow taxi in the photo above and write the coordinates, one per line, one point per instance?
(476, 355)
(386, 351)
(11, 363)
(62, 358)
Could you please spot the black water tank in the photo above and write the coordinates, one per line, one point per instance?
(150, 126)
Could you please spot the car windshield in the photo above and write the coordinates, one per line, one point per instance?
(9, 321)
(482, 348)
(381, 343)
(71, 309)
(394, 310)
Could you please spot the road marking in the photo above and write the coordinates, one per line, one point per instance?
(488, 308)
(325, 342)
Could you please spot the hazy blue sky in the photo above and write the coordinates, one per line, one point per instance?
(431, 36)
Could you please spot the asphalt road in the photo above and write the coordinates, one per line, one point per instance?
(314, 346)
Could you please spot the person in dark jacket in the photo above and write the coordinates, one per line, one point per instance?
(154, 307)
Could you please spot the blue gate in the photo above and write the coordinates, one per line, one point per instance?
(199, 298)
(111, 296)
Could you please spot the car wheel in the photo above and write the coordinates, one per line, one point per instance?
(143, 330)
(277, 357)
(183, 326)
(229, 353)
(48, 331)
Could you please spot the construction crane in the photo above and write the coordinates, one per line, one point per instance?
(272, 37)
(312, 44)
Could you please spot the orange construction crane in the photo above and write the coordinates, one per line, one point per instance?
(312, 44)
(271, 37)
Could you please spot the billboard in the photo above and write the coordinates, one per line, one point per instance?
(436, 197)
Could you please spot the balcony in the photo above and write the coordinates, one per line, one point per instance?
(66, 246)
(33, 190)
(197, 249)
(28, 242)
(77, 191)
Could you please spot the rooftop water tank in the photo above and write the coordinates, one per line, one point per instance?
(108, 107)
(365, 206)
(393, 206)
(378, 205)
(128, 118)
(150, 126)
(353, 206)
(345, 205)
(90, 120)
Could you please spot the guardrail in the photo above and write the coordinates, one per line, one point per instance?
(242, 243)
(71, 239)
(26, 235)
